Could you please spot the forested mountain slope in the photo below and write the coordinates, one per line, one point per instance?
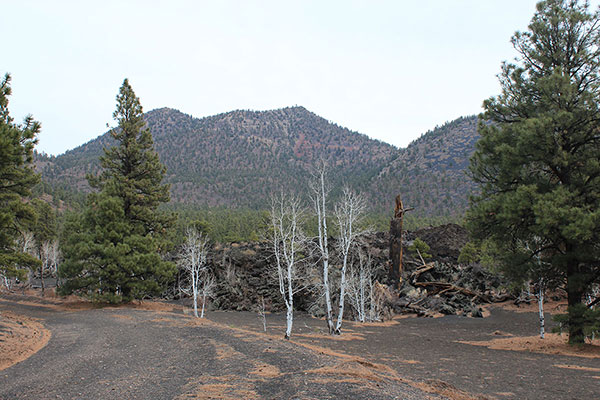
(238, 159)
(430, 173)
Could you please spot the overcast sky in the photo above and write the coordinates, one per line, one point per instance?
(388, 69)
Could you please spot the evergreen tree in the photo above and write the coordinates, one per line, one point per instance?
(45, 227)
(16, 180)
(537, 161)
(112, 251)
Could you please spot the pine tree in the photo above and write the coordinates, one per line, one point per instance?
(112, 251)
(537, 161)
(16, 180)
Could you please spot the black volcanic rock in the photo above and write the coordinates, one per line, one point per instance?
(445, 241)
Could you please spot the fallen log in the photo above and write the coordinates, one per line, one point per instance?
(424, 268)
(445, 287)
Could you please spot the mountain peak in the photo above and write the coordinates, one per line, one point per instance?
(238, 159)
(164, 110)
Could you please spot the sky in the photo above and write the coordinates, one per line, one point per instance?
(389, 69)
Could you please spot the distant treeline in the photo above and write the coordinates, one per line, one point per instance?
(240, 225)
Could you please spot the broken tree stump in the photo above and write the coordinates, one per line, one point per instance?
(396, 230)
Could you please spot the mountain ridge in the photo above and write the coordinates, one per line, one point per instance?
(238, 158)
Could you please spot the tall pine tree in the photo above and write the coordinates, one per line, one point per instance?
(113, 250)
(538, 160)
(16, 180)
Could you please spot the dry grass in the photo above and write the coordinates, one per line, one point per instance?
(399, 360)
(56, 304)
(351, 368)
(358, 370)
(552, 344)
(20, 338)
(505, 394)
(123, 317)
(227, 387)
(446, 390)
(367, 368)
(553, 307)
(76, 303)
(265, 371)
(337, 380)
(154, 305)
(345, 336)
(224, 351)
(501, 333)
(322, 350)
(577, 367)
(409, 361)
(178, 321)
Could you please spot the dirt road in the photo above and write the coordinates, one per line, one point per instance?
(160, 353)
(434, 349)
(124, 353)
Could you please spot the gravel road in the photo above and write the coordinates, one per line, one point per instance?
(125, 353)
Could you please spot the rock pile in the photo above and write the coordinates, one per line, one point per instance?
(437, 286)
(440, 285)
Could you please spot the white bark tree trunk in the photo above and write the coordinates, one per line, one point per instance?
(208, 285)
(192, 259)
(348, 213)
(290, 304)
(338, 325)
(319, 197)
(540, 299)
(195, 293)
(362, 280)
(360, 288)
(287, 241)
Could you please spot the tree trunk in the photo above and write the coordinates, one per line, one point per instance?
(338, 325)
(195, 290)
(362, 299)
(329, 311)
(395, 271)
(540, 298)
(575, 306)
(289, 322)
(289, 304)
(42, 278)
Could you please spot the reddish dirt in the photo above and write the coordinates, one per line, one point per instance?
(20, 338)
(552, 307)
(551, 344)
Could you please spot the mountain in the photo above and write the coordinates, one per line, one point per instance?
(238, 159)
(430, 174)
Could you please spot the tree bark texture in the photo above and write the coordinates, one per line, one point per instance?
(396, 230)
(395, 271)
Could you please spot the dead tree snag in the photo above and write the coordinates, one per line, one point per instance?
(395, 272)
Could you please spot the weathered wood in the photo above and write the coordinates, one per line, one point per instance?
(395, 251)
(445, 287)
(395, 272)
(423, 269)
